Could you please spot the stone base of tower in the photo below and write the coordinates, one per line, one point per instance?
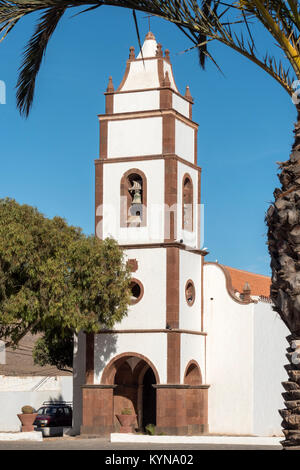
(97, 410)
(181, 410)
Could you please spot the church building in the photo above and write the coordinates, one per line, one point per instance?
(200, 348)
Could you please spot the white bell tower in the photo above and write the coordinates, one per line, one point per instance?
(148, 199)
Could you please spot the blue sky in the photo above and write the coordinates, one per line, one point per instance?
(245, 126)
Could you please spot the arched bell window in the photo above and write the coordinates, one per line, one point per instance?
(187, 203)
(133, 199)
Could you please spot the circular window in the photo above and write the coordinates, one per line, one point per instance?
(190, 292)
(137, 291)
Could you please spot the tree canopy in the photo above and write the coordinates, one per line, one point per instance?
(55, 280)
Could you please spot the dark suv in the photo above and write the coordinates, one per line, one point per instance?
(54, 414)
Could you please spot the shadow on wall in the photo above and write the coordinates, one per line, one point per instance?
(57, 399)
(105, 350)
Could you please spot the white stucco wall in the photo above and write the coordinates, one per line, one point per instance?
(154, 171)
(181, 105)
(135, 137)
(150, 311)
(151, 345)
(148, 49)
(168, 68)
(269, 359)
(245, 361)
(142, 74)
(230, 362)
(192, 348)
(190, 268)
(26, 391)
(184, 141)
(140, 101)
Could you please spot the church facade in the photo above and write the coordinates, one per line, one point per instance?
(186, 358)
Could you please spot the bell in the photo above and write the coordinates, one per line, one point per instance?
(135, 191)
(137, 198)
(135, 185)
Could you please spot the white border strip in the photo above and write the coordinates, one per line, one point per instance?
(21, 436)
(236, 440)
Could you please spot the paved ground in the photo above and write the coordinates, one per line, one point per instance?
(104, 444)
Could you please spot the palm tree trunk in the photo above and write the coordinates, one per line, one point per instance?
(283, 220)
(291, 414)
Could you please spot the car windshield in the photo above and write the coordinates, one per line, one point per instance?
(47, 411)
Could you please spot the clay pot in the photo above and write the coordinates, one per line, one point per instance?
(27, 420)
(126, 421)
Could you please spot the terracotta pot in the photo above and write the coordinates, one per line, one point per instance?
(27, 421)
(126, 422)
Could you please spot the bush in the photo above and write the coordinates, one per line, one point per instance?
(150, 429)
(26, 410)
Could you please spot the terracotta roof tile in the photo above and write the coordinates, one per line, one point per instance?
(259, 284)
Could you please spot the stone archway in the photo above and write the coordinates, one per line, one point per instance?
(132, 377)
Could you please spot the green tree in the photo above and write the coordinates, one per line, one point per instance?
(56, 281)
(206, 21)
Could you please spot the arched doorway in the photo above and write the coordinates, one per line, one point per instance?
(149, 399)
(133, 378)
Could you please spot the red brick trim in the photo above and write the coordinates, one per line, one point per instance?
(172, 315)
(202, 293)
(172, 282)
(109, 103)
(133, 265)
(165, 98)
(147, 114)
(171, 194)
(103, 139)
(181, 246)
(110, 370)
(199, 210)
(160, 70)
(125, 194)
(89, 372)
(99, 200)
(173, 361)
(181, 386)
(148, 157)
(174, 330)
(117, 92)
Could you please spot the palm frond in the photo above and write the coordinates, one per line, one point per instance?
(202, 21)
(33, 56)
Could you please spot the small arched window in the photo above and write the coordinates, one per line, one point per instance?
(133, 199)
(187, 203)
